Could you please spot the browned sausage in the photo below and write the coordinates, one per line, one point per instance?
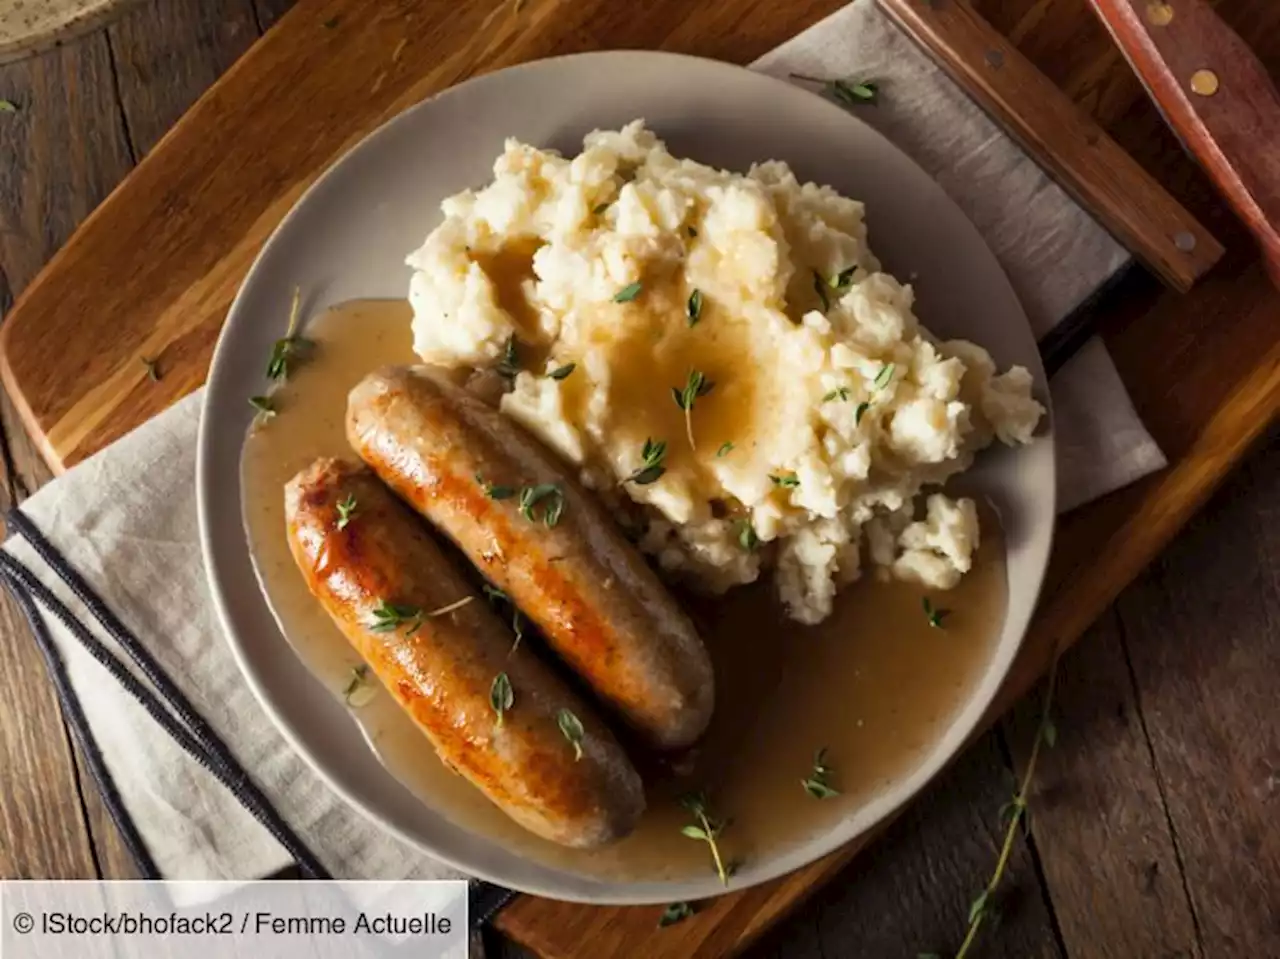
(464, 466)
(442, 671)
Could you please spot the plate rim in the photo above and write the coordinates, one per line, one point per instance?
(933, 759)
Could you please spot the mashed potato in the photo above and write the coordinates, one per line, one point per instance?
(825, 409)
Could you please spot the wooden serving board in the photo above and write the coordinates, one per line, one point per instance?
(152, 271)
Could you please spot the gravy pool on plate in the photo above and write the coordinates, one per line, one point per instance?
(875, 683)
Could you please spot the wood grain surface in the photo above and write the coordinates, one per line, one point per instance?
(1216, 94)
(1218, 756)
(1066, 141)
(1099, 806)
(1206, 391)
(46, 189)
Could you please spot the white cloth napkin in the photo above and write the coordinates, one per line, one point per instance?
(126, 518)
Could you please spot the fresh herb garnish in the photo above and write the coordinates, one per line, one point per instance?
(935, 616)
(695, 386)
(571, 728)
(561, 372)
(8, 106)
(849, 93)
(857, 413)
(839, 393)
(706, 828)
(651, 469)
(693, 309)
(153, 369)
(747, 537)
(495, 492)
(449, 607)
(496, 596)
(291, 346)
(724, 450)
(509, 364)
(853, 93)
(358, 690)
(785, 480)
(346, 510)
(676, 912)
(531, 496)
(387, 618)
(818, 785)
(501, 695)
(884, 376)
(628, 292)
(1015, 810)
(265, 406)
(517, 627)
(840, 281)
(820, 287)
(1049, 732)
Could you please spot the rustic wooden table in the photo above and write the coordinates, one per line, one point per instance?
(1154, 825)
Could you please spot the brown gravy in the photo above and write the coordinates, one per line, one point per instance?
(874, 684)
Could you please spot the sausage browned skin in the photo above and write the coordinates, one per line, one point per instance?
(442, 672)
(463, 465)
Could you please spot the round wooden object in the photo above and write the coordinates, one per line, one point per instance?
(32, 26)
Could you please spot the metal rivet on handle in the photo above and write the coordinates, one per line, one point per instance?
(1159, 13)
(1184, 241)
(1204, 82)
(995, 58)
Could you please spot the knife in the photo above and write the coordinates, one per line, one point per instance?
(1216, 95)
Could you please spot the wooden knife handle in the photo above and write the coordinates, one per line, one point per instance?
(1062, 138)
(1217, 96)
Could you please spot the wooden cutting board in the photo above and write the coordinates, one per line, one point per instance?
(151, 273)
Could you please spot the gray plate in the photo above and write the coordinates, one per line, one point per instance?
(348, 237)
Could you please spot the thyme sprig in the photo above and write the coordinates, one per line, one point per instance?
(359, 690)
(501, 696)
(818, 785)
(390, 617)
(291, 346)
(697, 385)
(675, 912)
(933, 613)
(706, 828)
(693, 308)
(509, 363)
(346, 511)
(846, 92)
(550, 496)
(652, 456)
(497, 597)
(266, 408)
(571, 728)
(1015, 810)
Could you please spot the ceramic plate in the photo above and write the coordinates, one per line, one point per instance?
(348, 237)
